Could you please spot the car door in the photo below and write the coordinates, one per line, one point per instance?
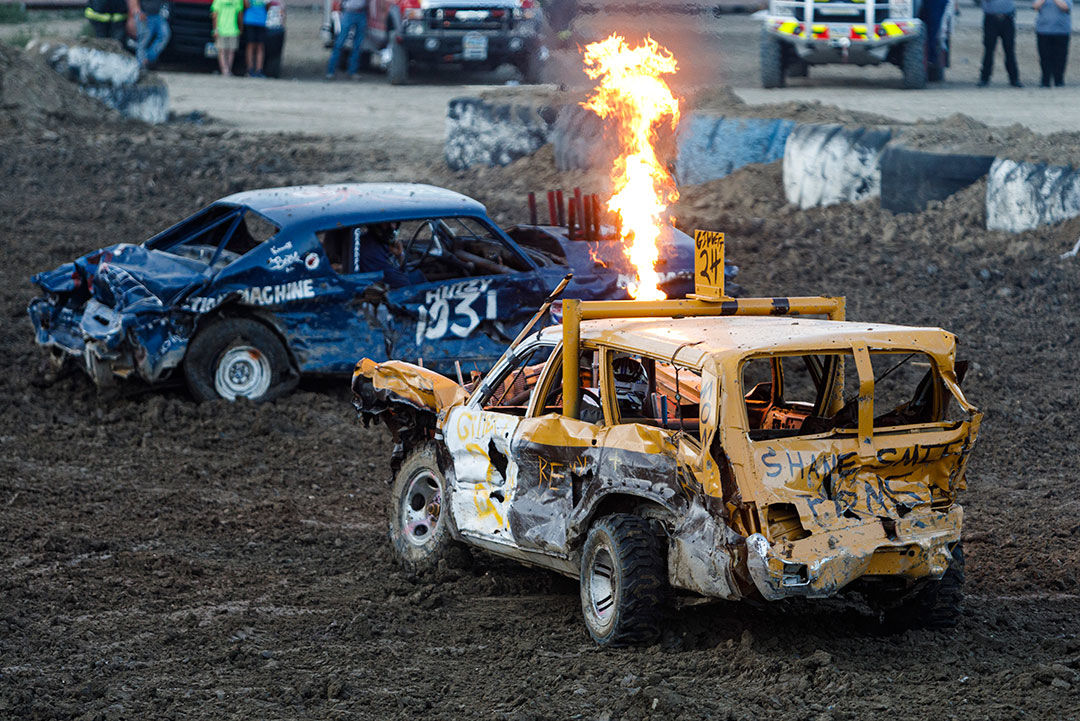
(478, 436)
(556, 455)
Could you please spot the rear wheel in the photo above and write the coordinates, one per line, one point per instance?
(772, 61)
(913, 63)
(624, 584)
(238, 358)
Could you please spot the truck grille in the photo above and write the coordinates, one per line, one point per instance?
(468, 18)
(190, 25)
(841, 12)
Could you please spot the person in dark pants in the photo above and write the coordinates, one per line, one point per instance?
(1053, 26)
(999, 21)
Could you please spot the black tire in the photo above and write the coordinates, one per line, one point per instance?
(532, 70)
(937, 605)
(216, 363)
(398, 69)
(772, 61)
(419, 513)
(624, 583)
(913, 63)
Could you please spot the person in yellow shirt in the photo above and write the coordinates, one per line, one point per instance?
(225, 15)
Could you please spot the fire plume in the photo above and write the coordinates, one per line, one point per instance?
(631, 90)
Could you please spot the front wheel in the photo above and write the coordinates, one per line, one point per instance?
(772, 62)
(624, 585)
(913, 63)
(238, 358)
(420, 513)
(398, 69)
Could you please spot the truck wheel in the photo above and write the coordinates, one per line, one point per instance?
(624, 583)
(532, 70)
(937, 605)
(772, 62)
(398, 68)
(913, 63)
(238, 358)
(420, 513)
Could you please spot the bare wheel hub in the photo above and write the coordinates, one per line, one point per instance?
(421, 505)
(243, 372)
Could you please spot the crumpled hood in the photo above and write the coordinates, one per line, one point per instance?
(124, 275)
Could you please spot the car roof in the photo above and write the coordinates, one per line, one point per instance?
(722, 337)
(323, 206)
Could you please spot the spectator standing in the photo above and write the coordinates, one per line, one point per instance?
(1053, 26)
(354, 20)
(255, 37)
(999, 21)
(225, 16)
(153, 31)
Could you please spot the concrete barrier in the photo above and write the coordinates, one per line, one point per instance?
(711, 147)
(1022, 196)
(482, 133)
(830, 164)
(112, 76)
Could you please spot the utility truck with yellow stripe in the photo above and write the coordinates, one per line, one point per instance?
(914, 35)
(734, 448)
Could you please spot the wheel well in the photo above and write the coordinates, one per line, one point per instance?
(629, 503)
(266, 319)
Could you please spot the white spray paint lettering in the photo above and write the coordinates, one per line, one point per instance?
(284, 262)
(455, 309)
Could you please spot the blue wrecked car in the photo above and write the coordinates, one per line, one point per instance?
(261, 287)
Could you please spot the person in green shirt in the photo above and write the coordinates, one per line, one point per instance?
(225, 15)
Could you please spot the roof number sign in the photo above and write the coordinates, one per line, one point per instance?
(708, 264)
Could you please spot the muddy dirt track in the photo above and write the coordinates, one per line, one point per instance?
(162, 559)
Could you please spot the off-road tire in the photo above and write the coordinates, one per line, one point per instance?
(937, 605)
(772, 61)
(532, 69)
(421, 553)
(397, 70)
(913, 63)
(212, 343)
(628, 548)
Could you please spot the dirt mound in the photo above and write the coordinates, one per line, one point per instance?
(166, 559)
(962, 134)
(33, 95)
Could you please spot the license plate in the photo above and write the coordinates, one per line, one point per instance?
(474, 46)
(210, 50)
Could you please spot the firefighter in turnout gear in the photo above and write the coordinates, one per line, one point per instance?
(112, 18)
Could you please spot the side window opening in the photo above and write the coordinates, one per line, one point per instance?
(510, 392)
(220, 234)
(590, 409)
(907, 391)
(655, 393)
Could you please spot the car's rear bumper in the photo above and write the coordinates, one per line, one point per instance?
(447, 46)
(915, 547)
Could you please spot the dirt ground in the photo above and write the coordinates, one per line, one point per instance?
(163, 559)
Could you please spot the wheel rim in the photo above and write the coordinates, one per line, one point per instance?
(601, 586)
(421, 505)
(242, 372)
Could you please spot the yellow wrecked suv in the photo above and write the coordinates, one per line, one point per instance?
(731, 448)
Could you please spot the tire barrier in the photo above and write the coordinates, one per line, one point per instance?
(912, 178)
(1022, 196)
(482, 133)
(113, 77)
(710, 147)
(830, 164)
